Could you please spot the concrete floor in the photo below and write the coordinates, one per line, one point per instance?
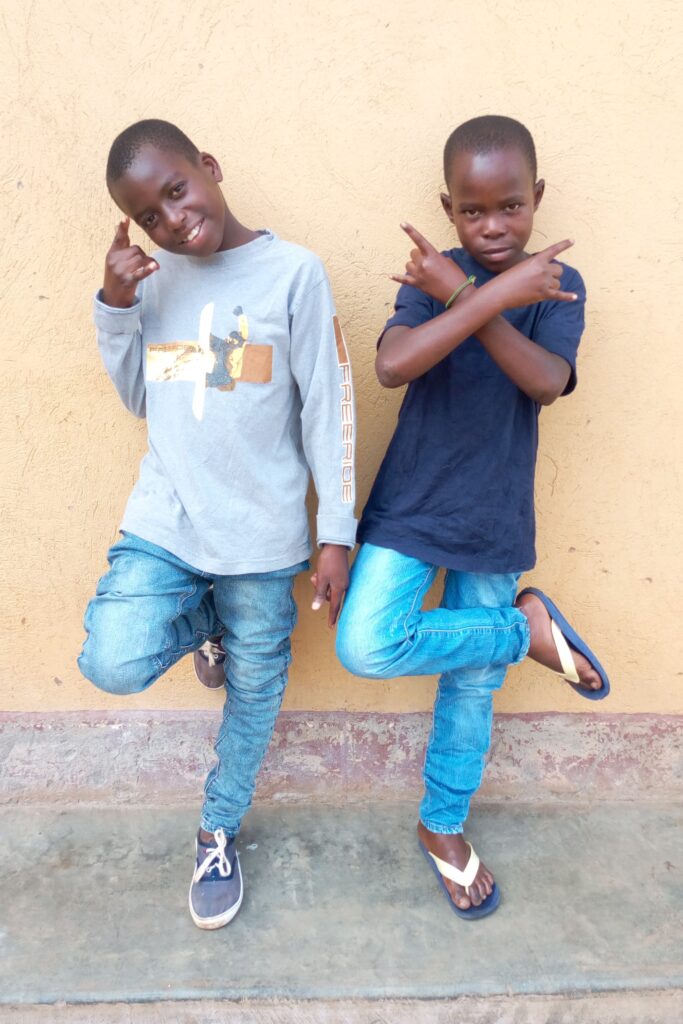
(339, 904)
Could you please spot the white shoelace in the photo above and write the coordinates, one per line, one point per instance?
(212, 652)
(215, 858)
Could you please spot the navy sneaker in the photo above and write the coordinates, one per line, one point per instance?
(216, 890)
(209, 663)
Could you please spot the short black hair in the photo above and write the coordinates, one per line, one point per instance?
(152, 132)
(486, 134)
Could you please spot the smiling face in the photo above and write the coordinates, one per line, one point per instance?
(178, 203)
(491, 201)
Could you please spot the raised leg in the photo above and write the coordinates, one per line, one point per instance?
(149, 610)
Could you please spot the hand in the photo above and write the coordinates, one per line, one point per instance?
(434, 274)
(124, 266)
(331, 579)
(535, 279)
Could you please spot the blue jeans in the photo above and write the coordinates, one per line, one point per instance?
(151, 609)
(470, 639)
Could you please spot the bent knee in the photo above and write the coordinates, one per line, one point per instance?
(112, 674)
(363, 654)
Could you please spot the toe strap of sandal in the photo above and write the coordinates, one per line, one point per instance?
(565, 654)
(464, 878)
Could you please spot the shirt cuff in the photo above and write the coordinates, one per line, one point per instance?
(337, 530)
(114, 319)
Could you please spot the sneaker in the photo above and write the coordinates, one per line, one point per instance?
(216, 890)
(209, 663)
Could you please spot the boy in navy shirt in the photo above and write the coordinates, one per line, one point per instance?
(483, 335)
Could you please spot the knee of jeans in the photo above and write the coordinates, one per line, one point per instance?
(256, 672)
(110, 673)
(362, 653)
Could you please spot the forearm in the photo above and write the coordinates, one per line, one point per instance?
(328, 443)
(540, 374)
(321, 368)
(120, 343)
(406, 354)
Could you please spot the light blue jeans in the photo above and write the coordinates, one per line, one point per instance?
(151, 609)
(470, 639)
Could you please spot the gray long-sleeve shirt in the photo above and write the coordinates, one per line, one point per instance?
(239, 364)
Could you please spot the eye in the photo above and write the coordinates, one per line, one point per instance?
(178, 189)
(148, 221)
(513, 207)
(470, 214)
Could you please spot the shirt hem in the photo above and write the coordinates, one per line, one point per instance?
(444, 559)
(215, 566)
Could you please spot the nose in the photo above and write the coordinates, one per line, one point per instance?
(493, 227)
(175, 218)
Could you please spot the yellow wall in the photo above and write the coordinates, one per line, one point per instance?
(329, 120)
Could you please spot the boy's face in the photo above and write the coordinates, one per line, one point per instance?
(491, 201)
(177, 203)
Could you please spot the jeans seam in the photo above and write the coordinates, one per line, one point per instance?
(473, 629)
(203, 823)
(418, 594)
(284, 674)
(159, 663)
(179, 611)
(451, 830)
(208, 784)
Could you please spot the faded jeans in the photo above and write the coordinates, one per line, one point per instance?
(151, 609)
(470, 639)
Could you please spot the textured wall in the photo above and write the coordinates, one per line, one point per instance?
(329, 121)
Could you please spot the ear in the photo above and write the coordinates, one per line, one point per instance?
(447, 204)
(539, 189)
(212, 166)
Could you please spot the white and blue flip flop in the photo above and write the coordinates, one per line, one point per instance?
(442, 869)
(563, 635)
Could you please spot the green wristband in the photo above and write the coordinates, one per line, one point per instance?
(461, 288)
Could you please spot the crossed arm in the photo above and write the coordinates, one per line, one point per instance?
(406, 353)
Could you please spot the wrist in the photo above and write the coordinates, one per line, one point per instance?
(450, 283)
(117, 301)
(115, 295)
(460, 290)
(497, 293)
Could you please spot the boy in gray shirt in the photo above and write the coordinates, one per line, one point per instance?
(227, 341)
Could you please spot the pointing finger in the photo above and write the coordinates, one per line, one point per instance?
(121, 239)
(554, 250)
(565, 296)
(420, 241)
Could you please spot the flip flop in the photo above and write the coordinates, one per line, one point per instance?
(442, 868)
(563, 632)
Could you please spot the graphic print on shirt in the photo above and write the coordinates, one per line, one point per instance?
(346, 414)
(210, 361)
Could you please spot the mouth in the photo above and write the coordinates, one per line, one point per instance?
(497, 255)
(191, 235)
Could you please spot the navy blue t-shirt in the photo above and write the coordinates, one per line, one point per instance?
(456, 487)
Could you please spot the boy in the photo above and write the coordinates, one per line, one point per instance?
(455, 488)
(227, 341)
